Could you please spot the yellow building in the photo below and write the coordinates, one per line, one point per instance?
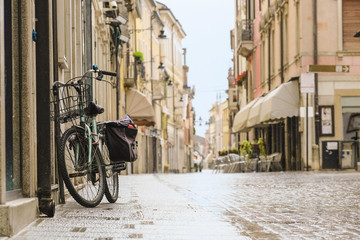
(66, 39)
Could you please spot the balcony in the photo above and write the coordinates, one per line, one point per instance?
(233, 102)
(245, 33)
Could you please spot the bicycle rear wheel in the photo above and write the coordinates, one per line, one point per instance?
(85, 181)
(112, 178)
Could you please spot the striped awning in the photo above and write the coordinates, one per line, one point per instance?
(139, 108)
(278, 104)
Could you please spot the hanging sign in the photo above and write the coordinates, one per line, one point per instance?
(307, 84)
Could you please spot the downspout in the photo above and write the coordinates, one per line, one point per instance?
(316, 95)
(269, 58)
(174, 85)
(282, 46)
(20, 84)
(88, 41)
(46, 203)
(151, 60)
(117, 70)
(269, 48)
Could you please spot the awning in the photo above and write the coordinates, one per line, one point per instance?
(280, 103)
(240, 120)
(254, 114)
(139, 108)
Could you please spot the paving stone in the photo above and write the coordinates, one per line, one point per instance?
(286, 205)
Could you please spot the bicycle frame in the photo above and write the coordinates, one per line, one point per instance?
(91, 130)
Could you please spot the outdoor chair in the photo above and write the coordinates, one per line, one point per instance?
(276, 163)
(217, 162)
(234, 162)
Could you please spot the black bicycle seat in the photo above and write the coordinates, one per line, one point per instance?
(93, 109)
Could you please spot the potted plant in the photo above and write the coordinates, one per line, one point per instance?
(139, 57)
(240, 78)
(223, 153)
(261, 145)
(234, 150)
(184, 169)
(166, 168)
(246, 148)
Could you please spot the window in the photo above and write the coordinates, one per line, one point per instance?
(262, 62)
(351, 20)
(12, 102)
(350, 116)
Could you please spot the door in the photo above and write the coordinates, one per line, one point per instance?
(330, 154)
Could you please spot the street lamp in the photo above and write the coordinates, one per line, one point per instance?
(162, 35)
(161, 66)
(357, 34)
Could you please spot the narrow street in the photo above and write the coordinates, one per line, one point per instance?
(289, 205)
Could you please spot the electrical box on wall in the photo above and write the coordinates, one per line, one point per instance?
(346, 158)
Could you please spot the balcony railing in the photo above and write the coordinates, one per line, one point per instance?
(246, 30)
(245, 33)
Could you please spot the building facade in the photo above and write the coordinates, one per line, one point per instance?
(292, 55)
(66, 39)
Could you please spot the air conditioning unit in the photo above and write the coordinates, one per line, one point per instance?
(110, 8)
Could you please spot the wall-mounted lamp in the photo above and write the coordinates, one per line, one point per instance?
(199, 122)
(357, 34)
(162, 35)
(161, 66)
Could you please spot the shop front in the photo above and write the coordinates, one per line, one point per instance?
(275, 118)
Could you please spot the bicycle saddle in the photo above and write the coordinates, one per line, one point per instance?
(93, 109)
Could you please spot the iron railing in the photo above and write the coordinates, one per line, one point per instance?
(245, 30)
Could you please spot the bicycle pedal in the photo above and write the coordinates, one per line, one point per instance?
(118, 167)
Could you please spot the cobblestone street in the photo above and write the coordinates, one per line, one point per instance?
(289, 205)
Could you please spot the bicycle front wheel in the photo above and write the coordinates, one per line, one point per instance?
(112, 178)
(85, 180)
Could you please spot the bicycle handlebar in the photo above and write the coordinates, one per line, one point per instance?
(101, 72)
(94, 69)
(108, 73)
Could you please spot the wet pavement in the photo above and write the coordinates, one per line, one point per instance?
(282, 205)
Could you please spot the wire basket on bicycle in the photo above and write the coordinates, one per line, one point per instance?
(70, 101)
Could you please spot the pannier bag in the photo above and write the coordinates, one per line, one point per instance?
(120, 140)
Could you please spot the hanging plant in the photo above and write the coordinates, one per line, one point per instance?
(138, 56)
(240, 78)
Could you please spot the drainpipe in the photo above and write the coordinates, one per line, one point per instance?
(88, 40)
(269, 48)
(174, 85)
(117, 70)
(316, 95)
(46, 203)
(282, 46)
(269, 59)
(20, 84)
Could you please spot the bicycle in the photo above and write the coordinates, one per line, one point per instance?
(84, 157)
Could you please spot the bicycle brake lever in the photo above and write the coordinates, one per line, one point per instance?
(100, 76)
